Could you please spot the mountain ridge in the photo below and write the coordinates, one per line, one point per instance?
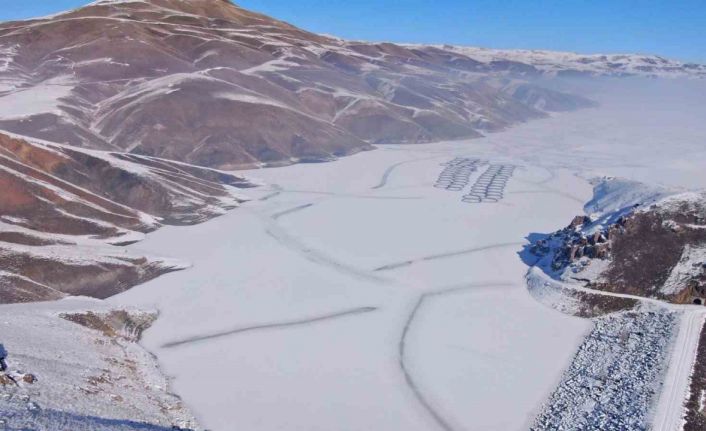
(213, 84)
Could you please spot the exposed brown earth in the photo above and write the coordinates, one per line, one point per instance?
(52, 187)
(644, 255)
(99, 276)
(61, 208)
(209, 83)
(16, 289)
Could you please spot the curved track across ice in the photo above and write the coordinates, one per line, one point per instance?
(265, 326)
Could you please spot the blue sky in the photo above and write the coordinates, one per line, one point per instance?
(672, 28)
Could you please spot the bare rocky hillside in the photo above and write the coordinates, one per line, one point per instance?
(209, 83)
(63, 210)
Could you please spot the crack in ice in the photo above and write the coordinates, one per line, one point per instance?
(396, 265)
(266, 326)
(402, 348)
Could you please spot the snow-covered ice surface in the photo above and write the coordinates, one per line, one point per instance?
(646, 131)
(356, 295)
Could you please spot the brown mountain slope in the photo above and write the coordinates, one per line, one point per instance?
(209, 83)
(62, 210)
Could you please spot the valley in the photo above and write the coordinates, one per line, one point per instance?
(365, 297)
(213, 220)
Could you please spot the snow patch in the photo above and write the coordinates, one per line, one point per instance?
(690, 265)
(42, 98)
(249, 98)
(618, 196)
(7, 55)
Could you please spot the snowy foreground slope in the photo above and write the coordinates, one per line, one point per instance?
(75, 365)
(371, 293)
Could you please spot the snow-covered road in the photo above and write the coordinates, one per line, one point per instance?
(669, 415)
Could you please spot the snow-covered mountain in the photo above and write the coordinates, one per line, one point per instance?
(209, 83)
(553, 63)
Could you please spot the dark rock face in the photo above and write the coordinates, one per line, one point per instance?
(209, 83)
(6, 380)
(574, 244)
(642, 249)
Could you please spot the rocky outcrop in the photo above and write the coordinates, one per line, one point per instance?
(128, 326)
(76, 365)
(573, 243)
(209, 83)
(577, 244)
(657, 251)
